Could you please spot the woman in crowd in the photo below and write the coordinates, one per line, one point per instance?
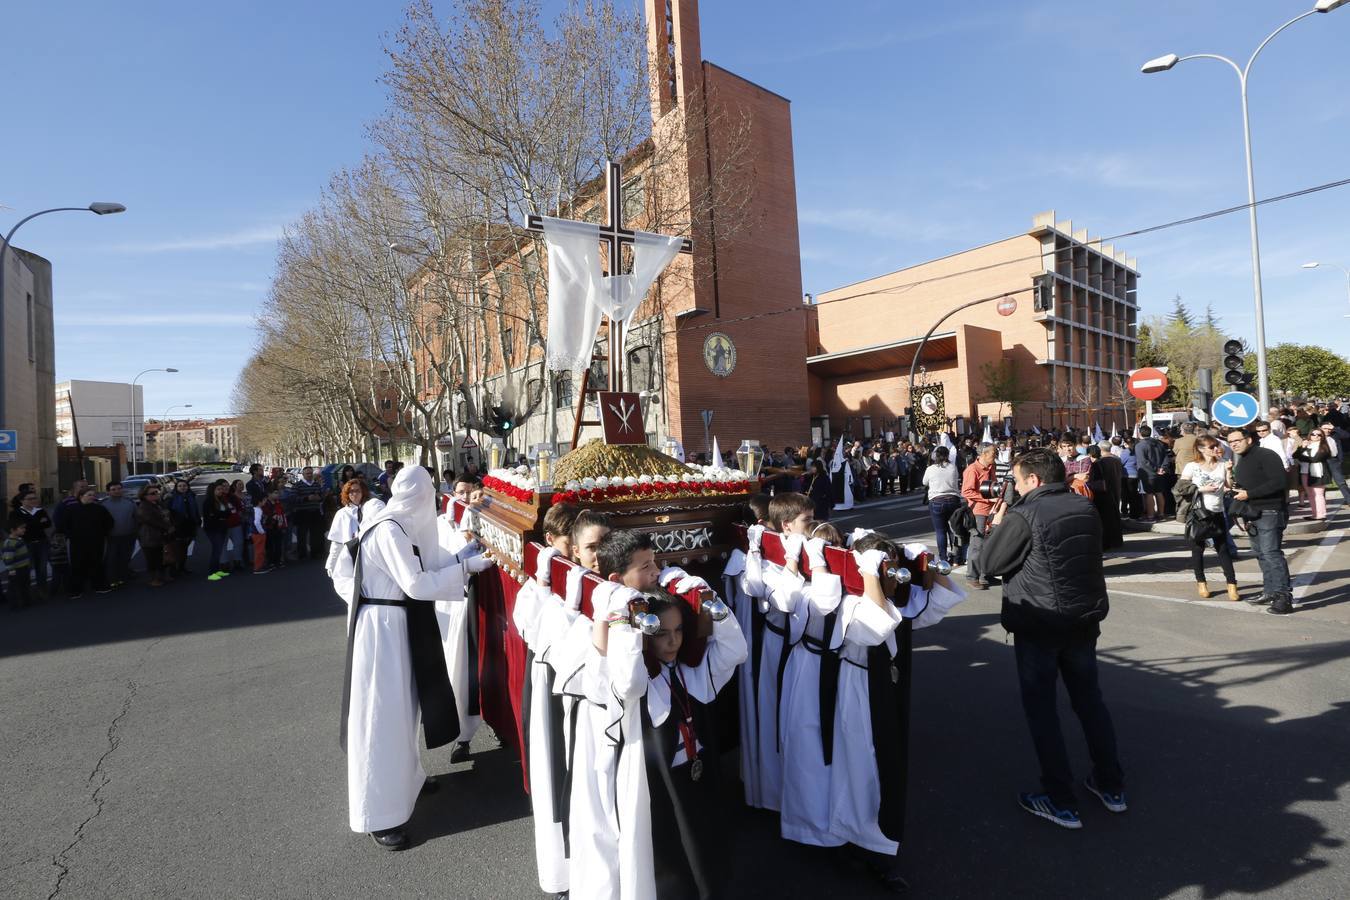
(17, 500)
(237, 497)
(87, 526)
(944, 495)
(36, 537)
(1130, 501)
(153, 529)
(216, 524)
(186, 518)
(1312, 458)
(820, 490)
(1211, 477)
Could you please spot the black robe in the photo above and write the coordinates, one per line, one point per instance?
(888, 690)
(691, 848)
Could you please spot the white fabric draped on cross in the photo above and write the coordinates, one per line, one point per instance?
(578, 294)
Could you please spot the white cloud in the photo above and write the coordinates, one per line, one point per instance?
(234, 240)
(136, 320)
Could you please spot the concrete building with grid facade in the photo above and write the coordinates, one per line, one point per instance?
(1071, 340)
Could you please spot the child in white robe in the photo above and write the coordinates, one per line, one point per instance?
(789, 513)
(542, 617)
(671, 844)
(743, 585)
(454, 618)
(867, 802)
(812, 671)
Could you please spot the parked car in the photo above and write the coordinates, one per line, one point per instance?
(132, 484)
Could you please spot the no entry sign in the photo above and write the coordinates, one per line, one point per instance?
(1147, 384)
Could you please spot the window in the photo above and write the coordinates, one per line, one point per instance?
(386, 403)
(534, 392)
(562, 391)
(641, 372)
(634, 199)
(598, 375)
(508, 344)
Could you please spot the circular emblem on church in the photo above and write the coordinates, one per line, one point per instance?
(719, 354)
(928, 403)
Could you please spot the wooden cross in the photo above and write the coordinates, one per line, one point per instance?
(614, 235)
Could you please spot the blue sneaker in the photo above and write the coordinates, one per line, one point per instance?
(1114, 802)
(1041, 805)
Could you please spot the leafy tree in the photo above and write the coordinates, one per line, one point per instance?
(199, 453)
(1003, 384)
(1149, 352)
(1305, 370)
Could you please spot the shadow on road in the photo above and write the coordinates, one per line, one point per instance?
(190, 604)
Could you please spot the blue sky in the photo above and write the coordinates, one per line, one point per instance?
(920, 129)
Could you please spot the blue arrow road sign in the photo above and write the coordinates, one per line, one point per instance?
(9, 441)
(1234, 409)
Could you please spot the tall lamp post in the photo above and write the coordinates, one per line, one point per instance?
(1315, 265)
(165, 419)
(1162, 64)
(98, 209)
(133, 412)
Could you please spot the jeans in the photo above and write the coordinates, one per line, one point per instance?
(119, 557)
(1336, 474)
(235, 552)
(217, 539)
(39, 552)
(1266, 543)
(940, 510)
(1041, 662)
(973, 555)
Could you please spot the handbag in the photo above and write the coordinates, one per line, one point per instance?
(1202, 525)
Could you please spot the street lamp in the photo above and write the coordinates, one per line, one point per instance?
(1163, 64)
(165, 419)
(1314, 265)
(98, 209)
(133, 412)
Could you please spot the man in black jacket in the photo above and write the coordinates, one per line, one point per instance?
(1048, 547)
(1151, 458)
(1260, 479)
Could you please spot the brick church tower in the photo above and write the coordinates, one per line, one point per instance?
(751, 372)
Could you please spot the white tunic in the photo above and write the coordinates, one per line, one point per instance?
(384, 771)
(452, 617)
(770, 657)
(540, 618)
(806, 778)
(344, 528)
(744, 588)
(629, 683)
(855, 786)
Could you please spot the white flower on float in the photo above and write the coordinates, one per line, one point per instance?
(588, 483)
(630, 481)
(602, 482)
(645, 479)
(573, 485)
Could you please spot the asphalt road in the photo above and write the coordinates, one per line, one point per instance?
(182, 743)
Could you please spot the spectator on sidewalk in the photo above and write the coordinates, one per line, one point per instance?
(1151, 456)
(1105, 478)
(37, 536)
(67, 502)
(1261, 496)
(216, 525)
(1314, 461)
(269, 520)
(236, 552)
(186, 517)
(1047, 547)
(87, 526)
(122, 538)
(304, 502)
(941, 482)
(1336, 438)
(153, 529)
(976, 482)
(16, 562)
(1131, 507)
(1183, 448)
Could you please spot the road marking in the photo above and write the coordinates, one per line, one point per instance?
(1213, 604)
(1304, 580)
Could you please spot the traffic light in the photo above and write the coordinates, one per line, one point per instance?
(502, 421)
(1235, 365)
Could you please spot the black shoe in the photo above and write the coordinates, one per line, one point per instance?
(1280, 608)
(1258, 601)
(562, 895)
(460, 753)
(390, 838)
(430, 786)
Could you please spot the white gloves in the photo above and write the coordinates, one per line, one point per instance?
(815, 552)
(480, 563)
(543, 566)
(792, 546)
(755, 534)
(914, 551)
(870, 561)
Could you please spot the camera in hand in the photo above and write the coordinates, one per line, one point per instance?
(998, 489)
